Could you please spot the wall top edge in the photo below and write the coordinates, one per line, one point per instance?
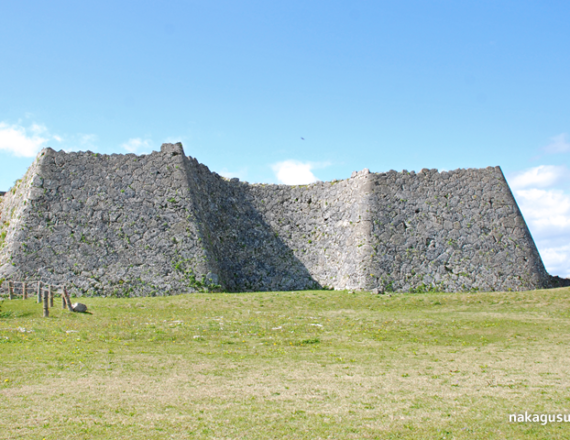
(178, 150)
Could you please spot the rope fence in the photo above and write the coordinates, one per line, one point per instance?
(44, 293)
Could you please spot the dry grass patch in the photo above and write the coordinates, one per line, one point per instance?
(304, 365)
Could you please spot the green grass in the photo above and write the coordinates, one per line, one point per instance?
(284, 365)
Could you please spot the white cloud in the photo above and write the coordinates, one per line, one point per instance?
(557, 259)
(137, 145)
(542, 176)
(38, 128)
(294, 172)
(546, 209)
(20, 141)
(558, 144)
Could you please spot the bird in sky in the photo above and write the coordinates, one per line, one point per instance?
(302, 139)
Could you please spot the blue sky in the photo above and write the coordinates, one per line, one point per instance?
(367, 84)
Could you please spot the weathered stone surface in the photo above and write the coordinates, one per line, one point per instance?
(163, 223)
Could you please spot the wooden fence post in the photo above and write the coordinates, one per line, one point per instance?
(67, 298)
(39, 292)
(24, 293)
(50, 297)
(46, 304)
(11, 290)
(63, 300)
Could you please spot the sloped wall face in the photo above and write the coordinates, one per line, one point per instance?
(322, 224)
(248, 252)
(452, 231)
(15, 207)
(105, 225)
(278, 237)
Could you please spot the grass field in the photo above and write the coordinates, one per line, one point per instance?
(291, 365)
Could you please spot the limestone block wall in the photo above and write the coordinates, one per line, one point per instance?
(321, 225)
(248, 252)
(456, 230)
(163, 223)
(104, 224)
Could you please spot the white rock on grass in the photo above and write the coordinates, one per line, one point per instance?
(78, 307)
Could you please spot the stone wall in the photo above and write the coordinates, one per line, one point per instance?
(456, 230)
(163, 223)
(104, 224)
